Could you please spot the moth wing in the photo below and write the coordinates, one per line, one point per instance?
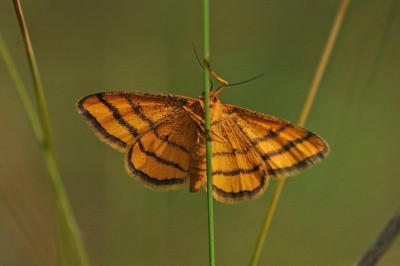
(284, 147)
(160, 158)
(237, 175)
(118, 118)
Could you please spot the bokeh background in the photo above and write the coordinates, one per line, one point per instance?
(328, 215)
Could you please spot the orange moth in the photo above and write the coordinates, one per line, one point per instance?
(163, 138)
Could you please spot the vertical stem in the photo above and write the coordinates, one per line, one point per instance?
(32, 117)
(302, 119)
(323, 61)
(267, 222)
(66, 223)
(207, 118)
(22, 92)
(41, 100)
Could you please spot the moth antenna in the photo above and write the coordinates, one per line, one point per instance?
(224, 82)
(197, 56)
(245, 81)
(224, 85)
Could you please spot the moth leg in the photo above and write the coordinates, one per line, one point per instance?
(196, 118)
(215, 75)
(200, 123)
(215, 137)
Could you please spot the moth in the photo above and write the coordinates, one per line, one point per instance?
(163, 138)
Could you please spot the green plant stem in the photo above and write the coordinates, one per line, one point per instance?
(207, 118)
(41, 100)
(344, 4)
(267, 222)
(64, 212)
(22, 92)
(32, 118)
(301, 122)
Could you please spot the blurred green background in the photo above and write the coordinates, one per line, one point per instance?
(328, 215)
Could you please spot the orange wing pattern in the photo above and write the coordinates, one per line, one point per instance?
(255, 147)
(284, 147)
(239, 172)
(119, 118)
(153, 130)
(160, 159)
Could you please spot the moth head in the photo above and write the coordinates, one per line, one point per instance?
(214, 100)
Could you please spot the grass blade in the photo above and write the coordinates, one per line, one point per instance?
(67, 226)
(207, 118)
(302, 119)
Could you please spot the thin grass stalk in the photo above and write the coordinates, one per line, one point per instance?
(344, 4)
(301, 122)
(22, 92)
(29, 110)
(64, 215)
(207, 118)
(39, 92)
